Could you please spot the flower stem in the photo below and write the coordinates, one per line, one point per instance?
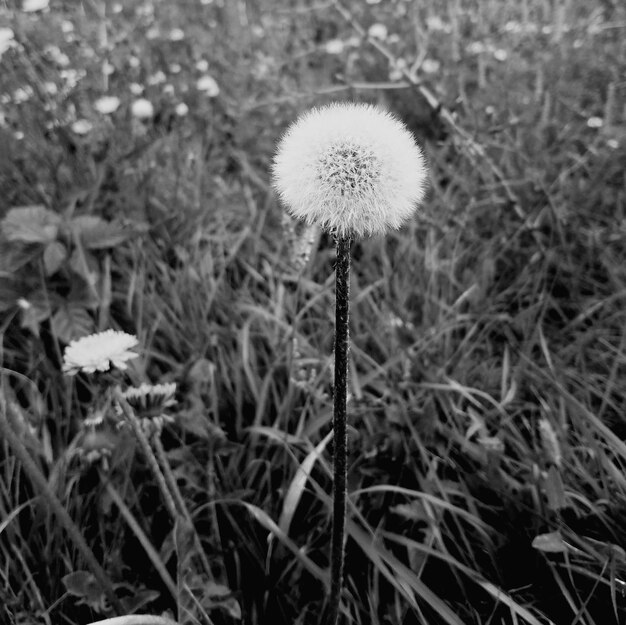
(340, 442)
(39, 481)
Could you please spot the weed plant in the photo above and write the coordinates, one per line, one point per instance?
(487, 395)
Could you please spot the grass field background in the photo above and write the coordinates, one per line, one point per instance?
(488, 359)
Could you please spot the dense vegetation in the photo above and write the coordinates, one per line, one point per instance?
(488, 367)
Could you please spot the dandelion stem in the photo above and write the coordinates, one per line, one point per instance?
(38, 479)
(340, 443)
(129, 413)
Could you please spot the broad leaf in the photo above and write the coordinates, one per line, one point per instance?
(550, 543)
(53, 256)
(30, 224)
(95, 233)
(71, 322)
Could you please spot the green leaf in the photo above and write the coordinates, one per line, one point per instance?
(96, 233)
(30, 224)
(71, 322)
(53, 256)
(84, 585)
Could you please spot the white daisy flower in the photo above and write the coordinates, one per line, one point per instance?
(99, 352)
(352, 169)
(142, 109)
(150, 403)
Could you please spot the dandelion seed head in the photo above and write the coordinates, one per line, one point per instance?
(352, 169)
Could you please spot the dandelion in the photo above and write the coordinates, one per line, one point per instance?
(142, 109)
(334, 46)
(157, 78)
(176, 34)
(135, 88)
(181, 109)
(107, 104)
(150, 404)
(99, 352)
(500, 55)
(377, 31)
(431, 66)
(207, 85)
(82, 127)
(353, 169)
(32, 6)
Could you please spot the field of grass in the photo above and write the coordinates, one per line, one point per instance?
(487, 411)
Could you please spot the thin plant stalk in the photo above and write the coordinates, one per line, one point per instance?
(178, 498)
(38, 479)
(130, 415)
(340, 441)
(140, 535)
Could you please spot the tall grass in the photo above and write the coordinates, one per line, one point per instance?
(486, 412)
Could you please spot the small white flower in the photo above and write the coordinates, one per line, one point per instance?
(67, 27)
(176, 34)
(135, 88)
(157, 78)
(431, 66)
(98, 352)
(435, 24)
(134, 62)
(353, 169)
(152, 33)
(81, 127)
(142, 109)
(202, 65)
(613, 143)
(476, 47)
(208, 85)
(50, 88)
(117, 8)
(595, 122)
(107, 104)
(31, 6)
(334, 46)
(500, 55)
(108, 68)
(169, 89)
(22, 94)
(175, 68)
(181, 109)
(7, 40)
(377, 31)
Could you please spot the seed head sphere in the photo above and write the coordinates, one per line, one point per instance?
(353, 169)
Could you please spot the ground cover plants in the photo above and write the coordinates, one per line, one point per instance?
(486, 395)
